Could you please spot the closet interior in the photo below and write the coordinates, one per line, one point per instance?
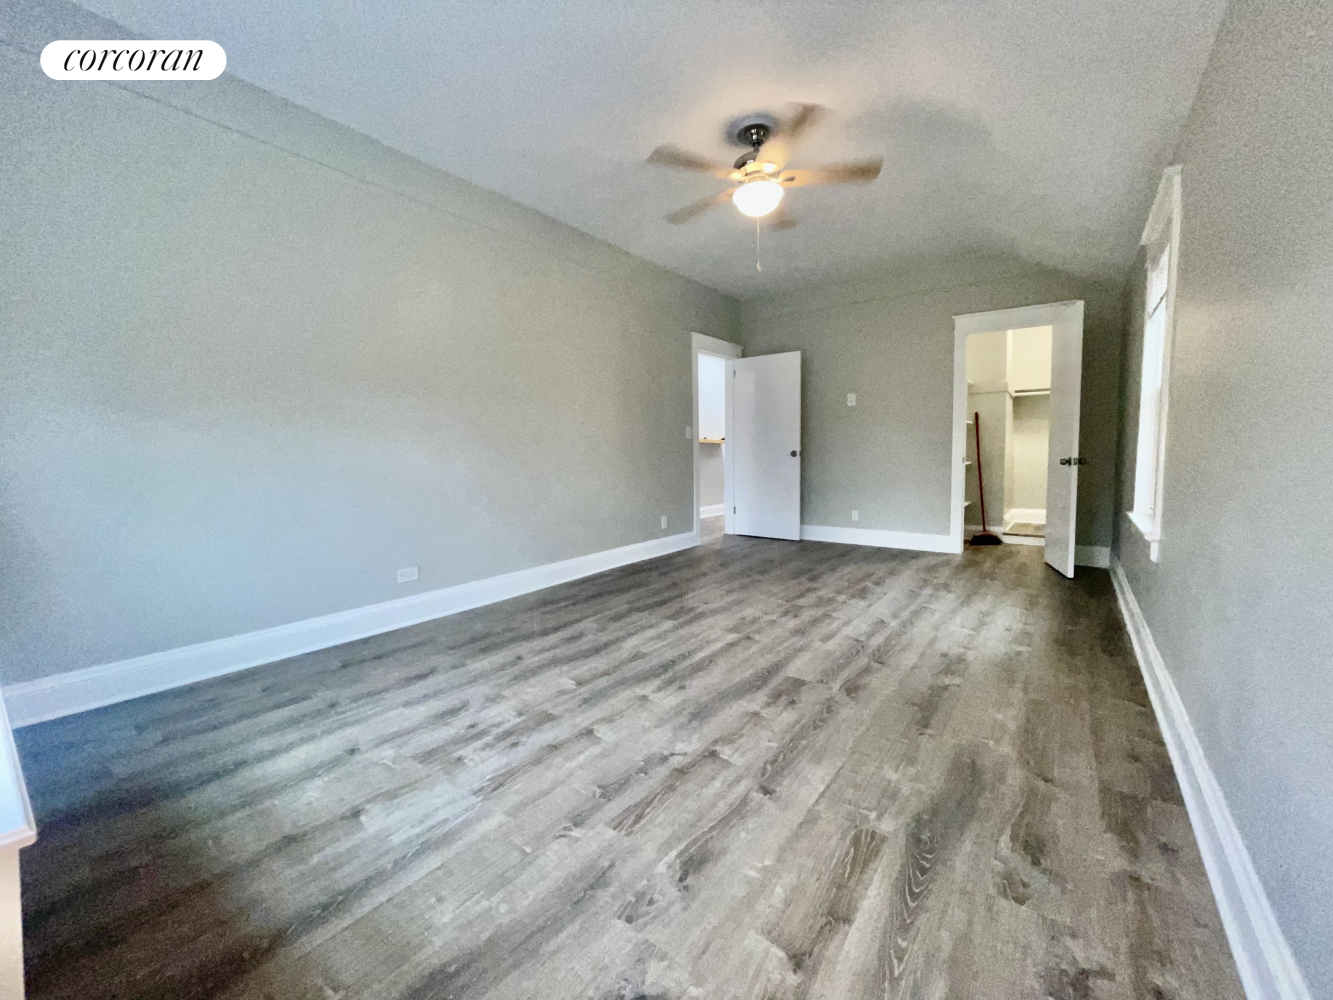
(1009, 389)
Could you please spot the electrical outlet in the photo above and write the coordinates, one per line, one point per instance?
(856, 515)
(664, 520)
(851, 399)
(689, 433)
(408, 575)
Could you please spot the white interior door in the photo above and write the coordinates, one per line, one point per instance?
(1063, 460)
(764, 445)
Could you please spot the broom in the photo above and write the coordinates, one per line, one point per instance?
(982, 537)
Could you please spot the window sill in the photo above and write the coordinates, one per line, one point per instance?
(1150, 532)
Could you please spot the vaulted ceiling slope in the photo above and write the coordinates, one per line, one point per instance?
(1027, 128)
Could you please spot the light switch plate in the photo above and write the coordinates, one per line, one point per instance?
(851, 399)
(856, 515)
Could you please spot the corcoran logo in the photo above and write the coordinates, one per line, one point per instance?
(133, 60)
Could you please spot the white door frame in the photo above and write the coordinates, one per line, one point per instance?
(1048, 314)
(701, 343)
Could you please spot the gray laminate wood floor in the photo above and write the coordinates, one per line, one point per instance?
(754, 769)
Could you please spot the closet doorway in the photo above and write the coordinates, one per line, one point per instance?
(1016, 395)
(708, 432)
(1009, 399)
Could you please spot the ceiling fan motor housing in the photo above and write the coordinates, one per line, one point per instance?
(753, 134)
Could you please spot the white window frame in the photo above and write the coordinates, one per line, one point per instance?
(1160, 236)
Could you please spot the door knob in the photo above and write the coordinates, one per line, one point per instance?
(1073, 461)
(793, 454)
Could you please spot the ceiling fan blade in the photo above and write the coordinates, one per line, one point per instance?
(804, 118)
(778, 150)
(689, 212)
(780, 221)
(857, 172)
(670, 156)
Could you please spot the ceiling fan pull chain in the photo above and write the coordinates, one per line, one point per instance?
(757, 266)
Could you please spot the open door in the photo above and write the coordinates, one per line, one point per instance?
(1063, 458)
(763, 474)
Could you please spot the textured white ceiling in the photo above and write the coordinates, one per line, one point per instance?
(1027, 128)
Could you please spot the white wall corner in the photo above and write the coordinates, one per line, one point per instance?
(93, 687)
(1264, 960)
(915, 541)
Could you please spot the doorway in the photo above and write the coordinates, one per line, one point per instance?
(1008, 399)
(708, 433)
(712, 445)
(1017, 389)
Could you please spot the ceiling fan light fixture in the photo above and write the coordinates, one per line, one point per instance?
(758, 197)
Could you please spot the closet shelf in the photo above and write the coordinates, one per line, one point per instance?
(711, 440)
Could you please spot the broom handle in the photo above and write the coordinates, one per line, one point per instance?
(981, 488)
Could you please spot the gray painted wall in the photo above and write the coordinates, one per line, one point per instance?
(1030, 448)
(996, 418)
(890, 340)
(1241, 603)
(712, 474)
(255, 362)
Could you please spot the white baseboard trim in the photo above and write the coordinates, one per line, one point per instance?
(713, 510)
(93, 687)
(1021, 539)
(1267, 968)
(914, 540)
(1093, 555)
(1025, 515)
(1098, 556)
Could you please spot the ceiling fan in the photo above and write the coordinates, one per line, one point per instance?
(760, 175)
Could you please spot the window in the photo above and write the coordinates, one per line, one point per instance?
(1162, 238)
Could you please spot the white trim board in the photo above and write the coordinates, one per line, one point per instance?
(914, 540)
(1096, 556)
(17, 827)
(1027, 515)
(712, 510)
(1163, 225)
(93, 687)
(17, 830)
(1267, 968)
(1012, 539)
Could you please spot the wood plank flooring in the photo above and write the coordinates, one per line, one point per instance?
(754, 769)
